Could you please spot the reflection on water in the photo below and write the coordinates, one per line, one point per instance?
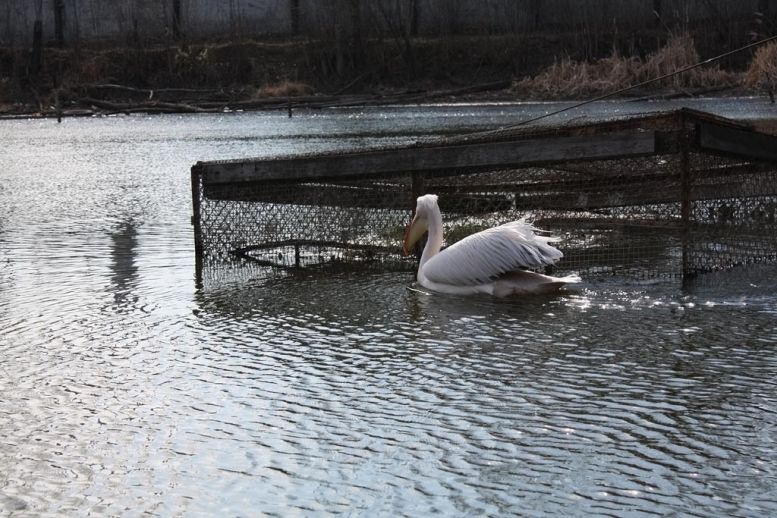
(125, 270)
(126, 389)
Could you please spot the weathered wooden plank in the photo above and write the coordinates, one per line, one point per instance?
(740, 142)
(435, 159)
(625, 190)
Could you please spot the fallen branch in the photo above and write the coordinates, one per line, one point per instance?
(150, 93)
(154, 106)
(94, 106)
(147, 90)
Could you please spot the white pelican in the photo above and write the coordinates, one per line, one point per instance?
(493, 261)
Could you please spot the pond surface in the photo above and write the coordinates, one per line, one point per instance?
(124, 389)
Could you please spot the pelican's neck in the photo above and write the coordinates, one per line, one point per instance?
(434, 239)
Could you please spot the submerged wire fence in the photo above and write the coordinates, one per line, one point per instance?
(673, 194)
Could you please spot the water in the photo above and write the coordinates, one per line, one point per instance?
(124, 389)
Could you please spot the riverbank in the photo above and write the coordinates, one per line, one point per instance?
(290, 75)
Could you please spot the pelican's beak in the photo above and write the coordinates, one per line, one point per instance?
(414, 231)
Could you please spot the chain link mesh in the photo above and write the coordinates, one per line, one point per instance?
(667, 213)
(305, 224)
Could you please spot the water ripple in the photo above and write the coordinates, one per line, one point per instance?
(126, 389)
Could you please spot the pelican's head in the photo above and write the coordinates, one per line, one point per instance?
(426, 207)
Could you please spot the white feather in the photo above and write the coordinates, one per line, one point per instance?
(493, 261)
(485, 256)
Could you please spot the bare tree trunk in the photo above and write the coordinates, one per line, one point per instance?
(76, 34)
(452, 15)
(294, 6)
(339, 43)
(400, 19)
(59, 22)
(12, 42)
(133, 36)
(36, 58)
(762, 21)
(349, 40)
(408, 31)
(14, 74)
(535, 14)
(357, 35)
(234, 19)
(176, 23)
(415, 9)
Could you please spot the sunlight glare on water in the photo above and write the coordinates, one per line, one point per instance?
(126, 389)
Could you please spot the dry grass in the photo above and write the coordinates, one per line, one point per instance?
(284, 89)
(569, 78)
(678, 53)
(762, 72)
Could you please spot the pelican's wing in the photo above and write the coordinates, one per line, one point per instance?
(484, 256)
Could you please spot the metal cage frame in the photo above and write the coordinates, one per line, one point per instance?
(674, 193)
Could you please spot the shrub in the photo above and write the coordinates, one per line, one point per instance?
(569, 78)
(762, 72)
(284, 89)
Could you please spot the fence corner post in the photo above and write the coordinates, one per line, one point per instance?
(196, 173)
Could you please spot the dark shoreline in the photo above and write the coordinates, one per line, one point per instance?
(278, 75)
(490, 93)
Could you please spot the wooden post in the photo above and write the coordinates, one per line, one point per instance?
(196, 223)
(58, 105)
(685, 200)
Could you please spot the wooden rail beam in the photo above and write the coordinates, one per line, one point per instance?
(438, 159)
(739, 142)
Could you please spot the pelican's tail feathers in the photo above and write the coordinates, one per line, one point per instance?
(569, 279)
(523, 282)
